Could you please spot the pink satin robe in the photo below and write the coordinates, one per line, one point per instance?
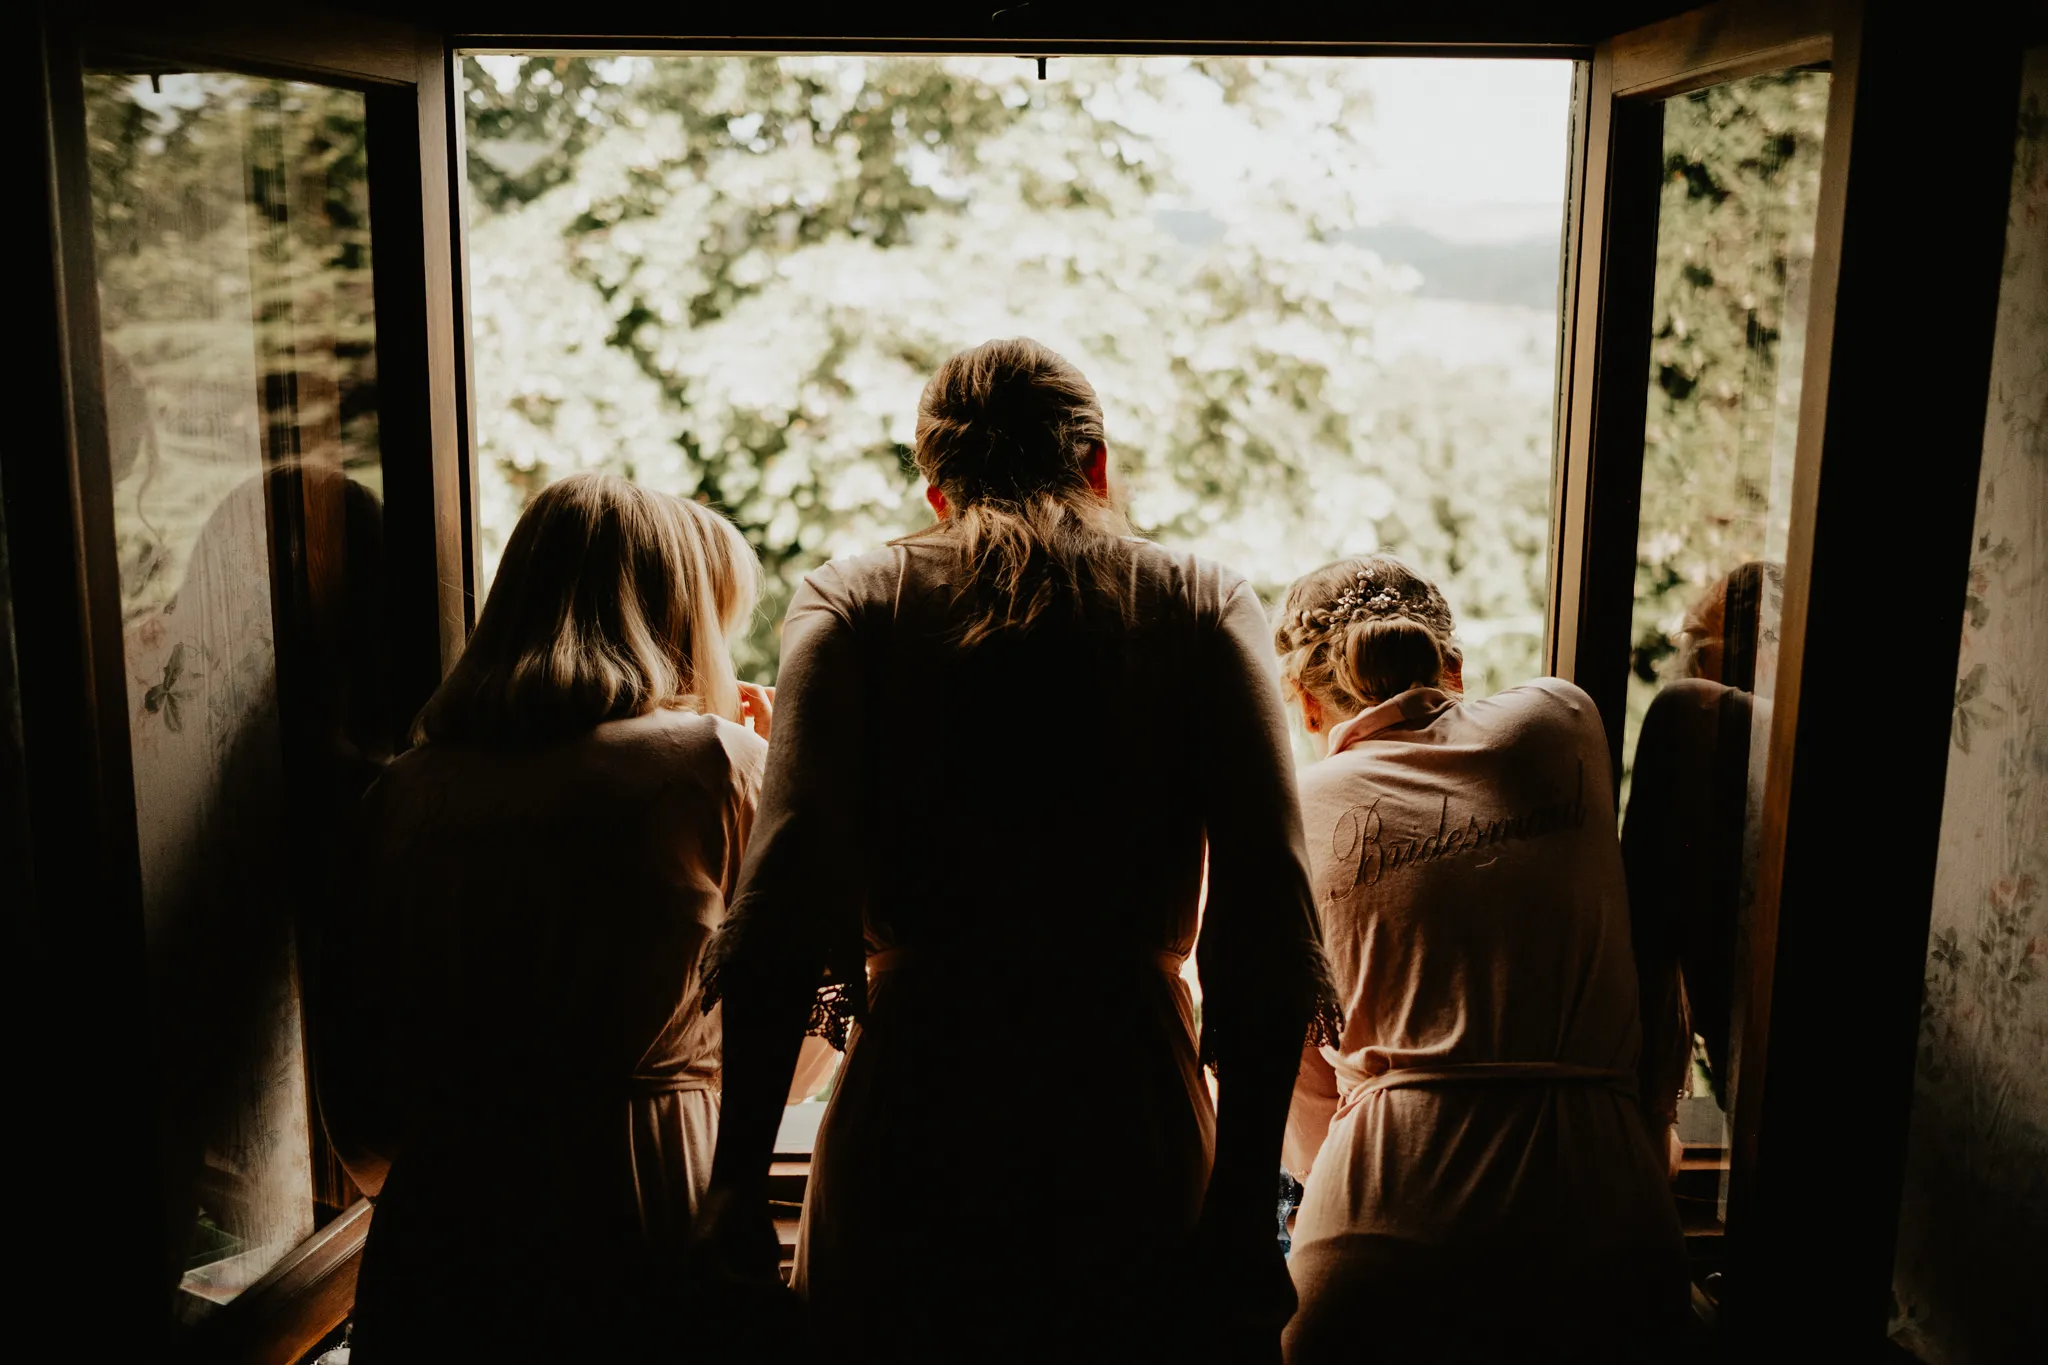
(1474, 1152)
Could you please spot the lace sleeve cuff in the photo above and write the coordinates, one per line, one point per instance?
(840, 999)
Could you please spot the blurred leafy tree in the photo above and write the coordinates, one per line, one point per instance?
(729, 277)
(535, 122)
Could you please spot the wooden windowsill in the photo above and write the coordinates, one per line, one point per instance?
(304, 1296)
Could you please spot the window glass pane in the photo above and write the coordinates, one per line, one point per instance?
(1734, 256)
(1973, 1222)
(231, 227)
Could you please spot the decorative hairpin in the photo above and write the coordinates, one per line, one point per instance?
(1363, 599)
(1360, 601)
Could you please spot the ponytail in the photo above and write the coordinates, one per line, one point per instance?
(1006, 431)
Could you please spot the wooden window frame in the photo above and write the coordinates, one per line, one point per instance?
(81, 928)
(1833, 998)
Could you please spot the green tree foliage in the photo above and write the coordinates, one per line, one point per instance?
(536, 122)
(730, 276)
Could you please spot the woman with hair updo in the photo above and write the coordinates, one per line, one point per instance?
(1004, 747)
(1479, 1181)
(525, 1047)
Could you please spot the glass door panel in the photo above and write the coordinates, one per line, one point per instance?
(1735, 245)
(231, 231)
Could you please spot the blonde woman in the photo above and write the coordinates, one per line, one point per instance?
(541, 874)
(1480, 1183)
(1002, 748)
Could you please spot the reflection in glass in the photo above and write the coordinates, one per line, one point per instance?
(231, 227)
(1734, 256)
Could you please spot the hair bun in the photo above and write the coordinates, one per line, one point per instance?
(1384, 656)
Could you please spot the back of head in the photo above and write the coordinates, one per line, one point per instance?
(1006, 431)
(611, 601)
(1725, 631)
(1359, 631)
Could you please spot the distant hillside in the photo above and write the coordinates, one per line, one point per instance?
(1523, 272)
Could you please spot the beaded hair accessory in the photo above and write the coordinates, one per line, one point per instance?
(1362, 599)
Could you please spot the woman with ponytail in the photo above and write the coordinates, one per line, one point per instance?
(1004, 748)
(1480, 1183)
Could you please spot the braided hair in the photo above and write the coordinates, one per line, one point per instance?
(1359, 631)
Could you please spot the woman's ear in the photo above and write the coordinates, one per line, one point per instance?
(938, 501)
(1311, 711)
(1097, 469)
(1454, 675)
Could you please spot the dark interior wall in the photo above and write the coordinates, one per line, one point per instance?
(74, 983)
(16, 871)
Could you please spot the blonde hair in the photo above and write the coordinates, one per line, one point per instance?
(1359, 631)
(1005, 431)
(611, 601)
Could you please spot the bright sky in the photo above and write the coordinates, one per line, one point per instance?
(1472, 149)
(1469, 149)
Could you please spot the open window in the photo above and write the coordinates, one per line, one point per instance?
(328, 294)
(1714, 162)
(1321, 313)
(1318, 296)
(1738, 508)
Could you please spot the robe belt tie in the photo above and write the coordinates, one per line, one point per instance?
(517, 1093)
(683, 1083)
(892, 959)
(1486, 1073)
